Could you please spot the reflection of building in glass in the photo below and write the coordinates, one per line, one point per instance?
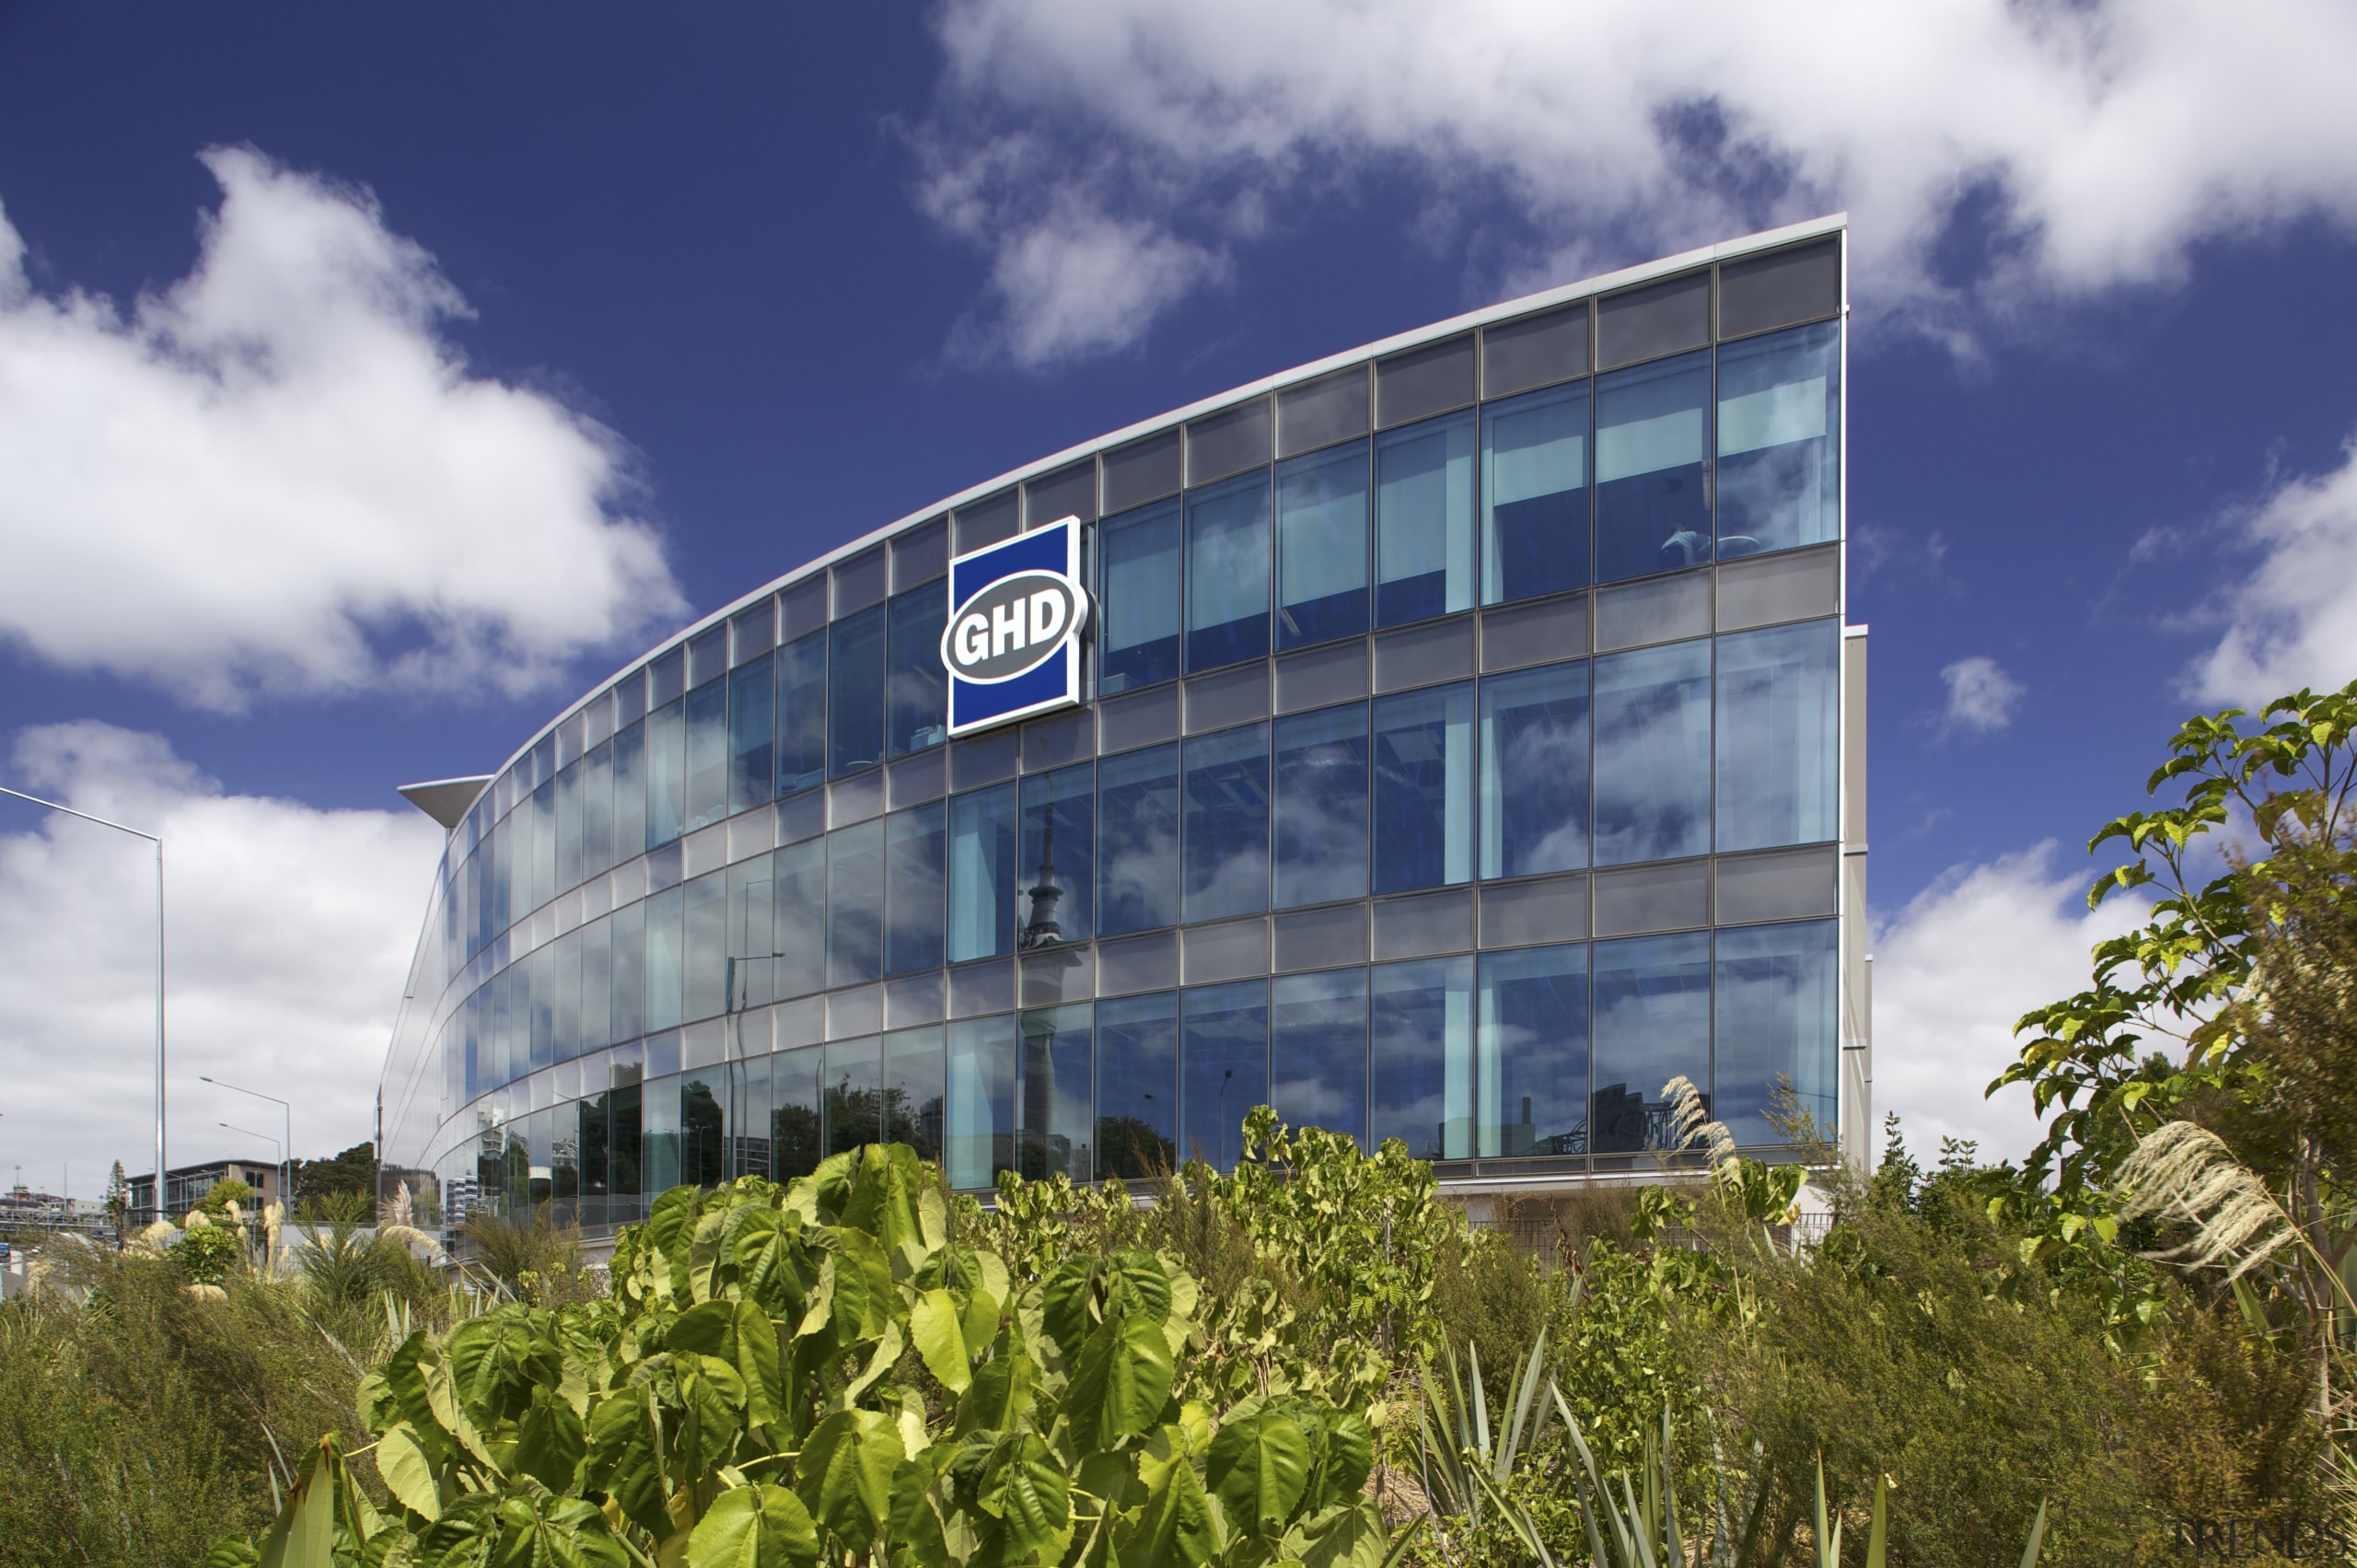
(1471, 744)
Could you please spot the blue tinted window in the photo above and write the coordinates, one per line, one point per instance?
(704, 1127)
(540, 812)
(568, 826)
(1226, 834)
(1137, 841)
(1423, 520)
(855, 1110)
(1223, 1065)
(752, 905)
(566, 1002)
(802, 713)
(630, 793)
(1534, 770)
(1423, 788)
(1652, 511)
(1534, 495)
(919, 685)
(1055, 1107)
(1653, 1024)
(1059, 856)
(1137, 1086)
(913, 845)
(1228, 572)
(667, 772)
(1317, 1051)
(1779, 741)
(1780, 455)
(1137, 638)
(1321, 546)
(705, 968)
(1422, 1047)
(707, 754)
(1321, 806)
(856, 904)
(913, 1090)
(855, 692)
(797, 1081)
(1653, 753)
(598, 809)
(982, 873)
(752, 731)
(1777, 1024)
(978, 1138)
(1533, 1043)
(799, 928)
(664, 957)
(629, 971)
(597, 985)
(659, 1134)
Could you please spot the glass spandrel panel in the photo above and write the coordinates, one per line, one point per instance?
(753, 733)
(665, 957)
(917, 690)
(1228, 572)
(1653, 753)
(988, 521)
(983, 843)
(1220, 443)
(802, 713)
(1138, 631)
(1779, 437)
(707, 754)
(1532, 351)
(854, 1098)
(1137, 841)
(1777, 1021)
(856, 692)
(1423, 782)
(978, 1137)
(1317, 1051)
(1423, 520)
(1652, 1023)
(1652, 509)
(667, 772)
(1224, 869)
(1137, 1086)
(799, 918)
(1322, 546)
(856, 904)
(1317, 413)
(920, 554)
(1783, 286)
(1535, 771)
(1057, 857)
(914, 1094)
(1143, 470)
(859, 581)
(704, 972)
(915, 844)
(1658, 319)
(802, 608)
(1431, 380)
(1533, 1048)
(1779, 736)
(1420, 1050)
(1534, 495)
(1055, 1103)
(1320, 838)
(667, 677)
(797, 1095)
(1224, 1067)
(1067, 493)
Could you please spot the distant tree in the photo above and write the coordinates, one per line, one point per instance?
(117, 1203)
(354, 1170)
(221, 1194)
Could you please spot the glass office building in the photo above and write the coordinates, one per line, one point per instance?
(1471, 743)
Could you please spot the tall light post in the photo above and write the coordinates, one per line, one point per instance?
(162, 1182)
(287, 1166)
(251, 1134)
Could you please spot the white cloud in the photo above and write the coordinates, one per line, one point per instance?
(278, 476)
(2293, 621)
(1953, 971)
(2089, 146)
(1982, 696)
(291, 932)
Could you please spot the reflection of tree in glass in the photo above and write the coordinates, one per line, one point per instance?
(703, 1145)
(794, 1141)
(917, 1125)
(1134, 1149)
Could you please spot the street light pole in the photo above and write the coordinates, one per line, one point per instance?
(287, 1166)
(251, 1134)
(162, 1183)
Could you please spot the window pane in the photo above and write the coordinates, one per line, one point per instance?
(629, 971)
(1776, 1024)
(802, 713)
(1137, 1086)
(568, 826)
(704, 1127)
(707, 754)
(1652, 512)
(565, 1043)
(1224, 1058)
(912, 1090)
(659, 1135)
(1059, 856)
(752, 729)
(704, 973)
(919, 685)
(1321, 546)
(855, 1108)
(540, 811)
(1424, 520)
(856, 904)
(1137, 841)
(598, 809)
(1534, 495)
(667, 772)
(982, 844)
(800, 928)
(1653, 751)
(978, 1140)
(914, 843)
(1534, 770)
(1780, 694)
(855, 692)
(666, 939)
(1226, 862)
(1653, 1024)
(1228, 572)
(748, 1118)
(797, 1144)
(630, 793)
(1138, 635)
(1423, 788)
(597, 984)
(1780, 422)
(1422, 1027)
(1534, 1052)
(624, 1130)
(1055, 1101)
(1321, 806)
(752, 909)
(1317, 1051)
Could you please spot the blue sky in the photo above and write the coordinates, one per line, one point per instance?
(683, 300)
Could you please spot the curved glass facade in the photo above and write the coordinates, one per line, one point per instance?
(1463, 756)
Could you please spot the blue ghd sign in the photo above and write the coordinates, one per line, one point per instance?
(1012, 647)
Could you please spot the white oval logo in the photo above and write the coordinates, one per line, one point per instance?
(1014, 626)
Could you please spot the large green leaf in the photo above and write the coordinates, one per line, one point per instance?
(741, 1334)
(537, 1530)
(1258, 1468)
(549, 1443)
(940, 1339)
(1346, 1535)
(496, 1361)
(845, 1479)
(625, 1462)
(1030, 1497)
(1000, 1399)
(409, 1475)
(884, 1196)
(773, 1264)
(1122, 1382)
(753, 1527)
(1173, 1527)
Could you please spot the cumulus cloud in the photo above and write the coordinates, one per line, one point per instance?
(278, 476)
(1954, 969)
(1992, 154)
(291, 932)
(1982, 696)
(2291, 620)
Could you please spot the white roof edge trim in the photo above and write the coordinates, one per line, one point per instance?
(1561, 293)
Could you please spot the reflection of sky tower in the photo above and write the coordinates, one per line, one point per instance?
(1043, 931)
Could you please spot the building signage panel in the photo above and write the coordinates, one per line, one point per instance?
(1012, 645)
